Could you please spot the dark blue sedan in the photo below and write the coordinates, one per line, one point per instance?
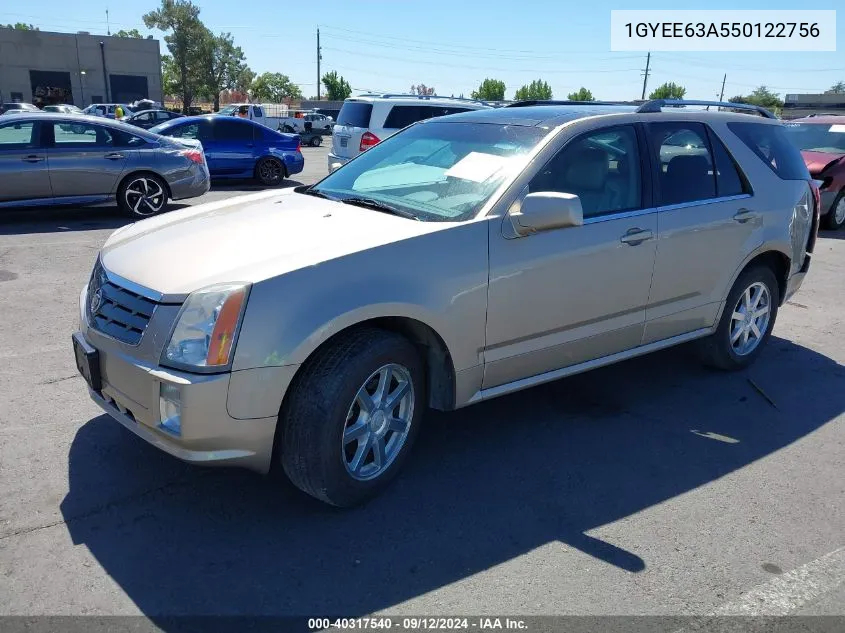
(239, 148)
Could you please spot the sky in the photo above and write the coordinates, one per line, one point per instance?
(388, 45)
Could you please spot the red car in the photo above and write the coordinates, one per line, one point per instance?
(821, 140)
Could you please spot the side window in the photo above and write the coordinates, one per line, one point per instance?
(125, 139)
(729, 182)
(146, 116)
(602, 168)
(82, 135)
(17, 136)
(403, 116)
(257, 111)
(684, 168)
(772, 146)
(192, 130)
(232, 131)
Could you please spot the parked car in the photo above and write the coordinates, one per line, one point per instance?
(49, 159)
(821, 140)
(106, 110)
(150, 118)
(464, 258)
(16, 107)
(239, 148)
(366, 120)
(62, 109)
(305, 121)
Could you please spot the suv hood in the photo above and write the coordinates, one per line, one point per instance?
(817, 162)
(247, 239)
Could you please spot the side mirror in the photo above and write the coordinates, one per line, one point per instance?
(546, 210)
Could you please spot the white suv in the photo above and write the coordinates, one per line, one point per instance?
(369, 119)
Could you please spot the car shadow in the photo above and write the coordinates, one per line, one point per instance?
(249, 185)
(484, 485)
(833, 235)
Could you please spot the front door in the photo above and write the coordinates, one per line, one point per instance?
(86, 159)
(708, 221)
(566, 296)
(23, 162)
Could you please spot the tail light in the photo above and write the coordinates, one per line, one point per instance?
(194, 155)
(299, 145)
(367, 141)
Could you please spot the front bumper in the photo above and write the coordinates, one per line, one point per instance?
(209, 433)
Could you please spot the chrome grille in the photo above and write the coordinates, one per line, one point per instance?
(116, 311)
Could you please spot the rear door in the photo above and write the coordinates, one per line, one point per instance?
(23, 162)
(232, 150)
(352, 123)
(707, 220)
(85, 159)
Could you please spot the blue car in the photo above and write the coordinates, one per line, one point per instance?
(239, 148)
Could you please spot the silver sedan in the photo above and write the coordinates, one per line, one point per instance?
(51, 159)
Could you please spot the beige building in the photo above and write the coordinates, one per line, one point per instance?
(800, 105)
(44, 68)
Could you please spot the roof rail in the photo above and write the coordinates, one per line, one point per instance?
(657, 105)
(391, 95)
(541, 102)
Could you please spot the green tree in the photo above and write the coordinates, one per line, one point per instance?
(20, 26)
(187, 42)
(337, 88)
(490, 90)
(760, 96)
(838, 88)
(536, 90)
(170, 84)
(669, 90)
(223, 62)
(274, 88)
(582, 94)
(422, 89)
(133, 33)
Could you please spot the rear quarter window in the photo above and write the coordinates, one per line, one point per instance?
(355, 114)
(402, 116)
(772, 146)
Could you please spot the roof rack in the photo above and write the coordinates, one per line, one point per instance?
(541, 102)
(391, 95)
(657, 105)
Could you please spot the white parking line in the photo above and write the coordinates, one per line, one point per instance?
(792, 590)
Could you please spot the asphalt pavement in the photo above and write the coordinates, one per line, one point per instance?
(653, 487)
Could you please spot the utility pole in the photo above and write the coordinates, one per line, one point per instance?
(722, 95)
(645, 74)
(319, 57)
(108, 26)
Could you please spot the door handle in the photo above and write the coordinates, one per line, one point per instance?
(744, 215)
(636, 236)
(32, 158)
(115, 156)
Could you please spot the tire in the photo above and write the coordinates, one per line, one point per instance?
(316, 141)
(835, 218)
(270, 171)
(717, 350)
(288, 129)
(317, 451)
(142, 195)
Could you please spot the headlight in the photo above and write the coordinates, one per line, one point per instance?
(204, 336)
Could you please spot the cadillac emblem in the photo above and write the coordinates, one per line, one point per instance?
(96, 301)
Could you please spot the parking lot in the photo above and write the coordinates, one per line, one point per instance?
(651, 487)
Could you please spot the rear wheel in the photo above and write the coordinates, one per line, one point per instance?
(142, 195)
(353, 416)
(270, 171)
(747, 321)
(316, 141)
(835, 219)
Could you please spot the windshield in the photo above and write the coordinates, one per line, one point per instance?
(816, 137)
(228, 110)
(436, 171)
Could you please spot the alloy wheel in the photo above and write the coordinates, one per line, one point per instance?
(750, 319)
(145, 196)
(378, 422)
(270, 171)
(839, 212)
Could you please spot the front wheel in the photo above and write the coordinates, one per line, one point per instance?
(835, 219)
(746, 323)
(316, 141)
(270, 171)
(142, 195)
(353, 416)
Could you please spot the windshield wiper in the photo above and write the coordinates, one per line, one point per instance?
(369, 203)
(310, 191)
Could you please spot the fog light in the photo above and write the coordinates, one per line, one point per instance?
(170, 408)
